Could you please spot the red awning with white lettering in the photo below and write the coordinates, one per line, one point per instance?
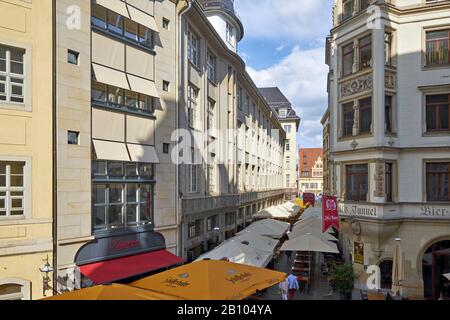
(123, 268)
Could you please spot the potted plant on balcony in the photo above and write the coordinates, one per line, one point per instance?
(343, 280)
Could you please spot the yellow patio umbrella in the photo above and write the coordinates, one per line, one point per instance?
(212, 280)
(112, 292)
(397, 268)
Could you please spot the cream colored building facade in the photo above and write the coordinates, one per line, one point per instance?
(240, 166)
(389, 138)
(25, 147)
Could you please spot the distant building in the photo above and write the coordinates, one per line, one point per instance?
(311, 170)
(291, 124)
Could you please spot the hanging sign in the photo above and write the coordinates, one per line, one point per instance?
(330, 213)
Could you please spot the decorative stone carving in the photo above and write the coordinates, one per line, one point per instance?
(379, 179)
(356, 86)
(354, 144)
(390, 80)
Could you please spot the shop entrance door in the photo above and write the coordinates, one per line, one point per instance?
(436, 263)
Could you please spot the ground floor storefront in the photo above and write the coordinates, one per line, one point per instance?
(425, 246)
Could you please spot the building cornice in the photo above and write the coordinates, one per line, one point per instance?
(391, 149)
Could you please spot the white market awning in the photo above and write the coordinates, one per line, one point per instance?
(143, 18)
(117, 6)
(256, 242)
(143, 86)
(309, 243)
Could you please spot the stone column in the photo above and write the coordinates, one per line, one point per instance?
(356, 66)
(356, 118)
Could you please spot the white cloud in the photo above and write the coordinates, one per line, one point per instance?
(302, 77)
(288, 19)
(280, 48)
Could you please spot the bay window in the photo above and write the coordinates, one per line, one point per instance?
(12, 189)
(438, 181)
(365, 52)
(437, 113)
(122, 194)
(12, 74)
(357, 182)
(348, 115)
(437, 47)
(365, 115)
(348, 56)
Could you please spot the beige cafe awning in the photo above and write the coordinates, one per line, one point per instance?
(317, 233)
(447, 275)
(142, 18)
(107, 150)
(115, 5)
(143, 86)
(141, 153)
(110, 76)
(310, 243)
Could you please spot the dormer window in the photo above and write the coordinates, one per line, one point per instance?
(231, 34)
(282, 113)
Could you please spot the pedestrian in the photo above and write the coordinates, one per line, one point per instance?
(293, 286)
(284, 288)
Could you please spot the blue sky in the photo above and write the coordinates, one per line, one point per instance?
(284, 46)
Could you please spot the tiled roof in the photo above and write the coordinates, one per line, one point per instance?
(307, 159)
(276, 100)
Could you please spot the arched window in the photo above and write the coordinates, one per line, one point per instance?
(386, 274)
(436, 263)
(14, 289)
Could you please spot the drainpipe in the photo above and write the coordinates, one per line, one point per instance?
(180, 86)
(54, 150)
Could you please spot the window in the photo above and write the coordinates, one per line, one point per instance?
(348, 56)
(166, 147)
(388, 114)
(247, 105)
(288, 145)
(193, 49)
(288, 180)
(122, 194)
(211, 223)
(12, 74)
(192, 106)
(119, 26)
(365, 4)
(347, 8)
(283, 113)
(348, 115)
(166, 24)
(211, 114)
(72, 57)
(386, 274)
(231, 34)
(388, 49)
(12, 189)
(438, 181)
(239, 98)
(109, 96)
(73, 137)
(437, 113)
(166, 86)
(365, 52)
(288, 129)
(230, 219)
(211, 67)
(437, 43)
(389, 181)
(357, 182)
(193, 173)
(365, 115)
(195, 229)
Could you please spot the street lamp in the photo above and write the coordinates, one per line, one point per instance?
(46, 279)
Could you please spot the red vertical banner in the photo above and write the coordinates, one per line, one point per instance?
(330, 213)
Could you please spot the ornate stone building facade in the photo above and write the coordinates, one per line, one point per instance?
(389, 137)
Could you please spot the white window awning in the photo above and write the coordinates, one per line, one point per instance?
(142, 18)
(107, 150)
(141, 153)
(110, 76)
(117, 6)
(143, 86)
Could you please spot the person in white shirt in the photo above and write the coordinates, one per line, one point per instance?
(284, 288)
